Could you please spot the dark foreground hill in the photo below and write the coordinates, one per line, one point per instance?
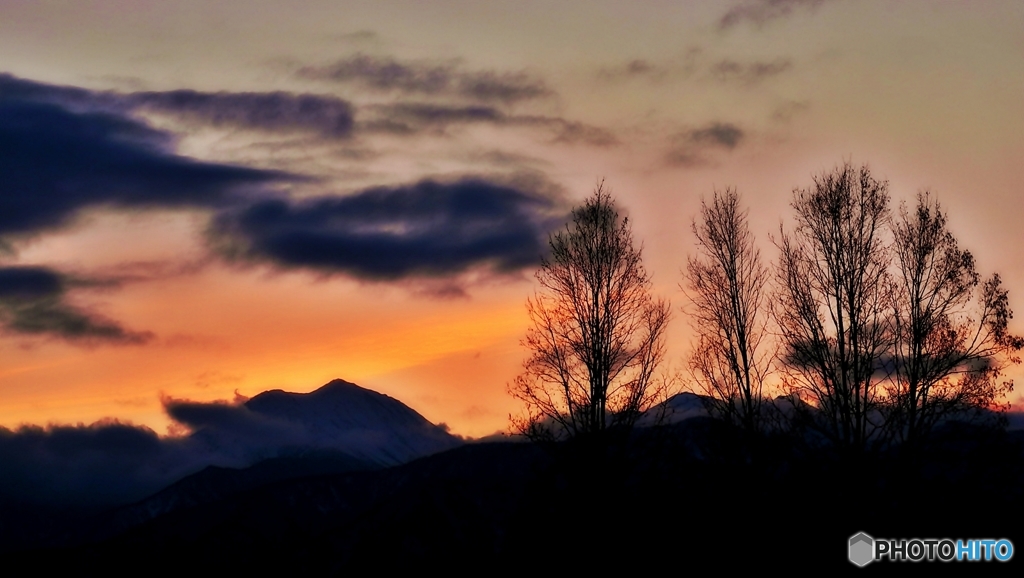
(688, 498)
(64, 484)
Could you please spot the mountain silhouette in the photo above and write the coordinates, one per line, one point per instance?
(272, 437)
(338, 417)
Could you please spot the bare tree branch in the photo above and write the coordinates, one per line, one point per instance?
(726, 284)
(597, 333)
(832, 306)
(952, 342)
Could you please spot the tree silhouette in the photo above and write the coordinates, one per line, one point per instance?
(597, 332)
(951, 338)
(834, 295)
(727, 284)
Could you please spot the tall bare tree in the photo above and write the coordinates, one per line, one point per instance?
(597, 332)
(952, 340)
(726, 283)
(834, 299)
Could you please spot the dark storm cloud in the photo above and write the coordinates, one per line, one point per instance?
(447, 78)
(33, 302)
(426, 229)
(689, 147)
(327, 116)
(759, 12)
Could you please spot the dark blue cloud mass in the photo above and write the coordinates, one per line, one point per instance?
(428, 229)
(66, 149)
(33, 302)
(55, 161)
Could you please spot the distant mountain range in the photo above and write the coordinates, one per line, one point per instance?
(352, 479)
(54, 482)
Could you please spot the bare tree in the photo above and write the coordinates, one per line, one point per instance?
(952, 341)
(726, 283)
(834, 299)
(597, 331)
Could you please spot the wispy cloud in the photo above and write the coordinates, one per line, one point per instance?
(696, 65)
(691, 147)
(760, 12)
(412, 118)
(749, 72)
(326, 116)
(386, 74)
(641, 68)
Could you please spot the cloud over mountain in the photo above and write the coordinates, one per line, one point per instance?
(115, 463)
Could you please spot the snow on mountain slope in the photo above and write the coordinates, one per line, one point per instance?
(340, 416)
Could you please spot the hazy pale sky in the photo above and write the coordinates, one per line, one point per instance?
(210, 199)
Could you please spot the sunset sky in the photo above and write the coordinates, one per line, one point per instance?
(208, 199)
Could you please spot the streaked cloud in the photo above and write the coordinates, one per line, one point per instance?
(760, 12)
(413, 118)
(697, 65)
(691, 147)
(749, 72)
(450, 78)
(327, 116)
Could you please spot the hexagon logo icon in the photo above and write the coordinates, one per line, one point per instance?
(861, 549)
